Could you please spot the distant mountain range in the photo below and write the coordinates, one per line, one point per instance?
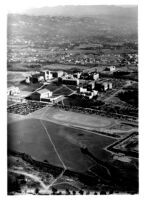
(83, 10)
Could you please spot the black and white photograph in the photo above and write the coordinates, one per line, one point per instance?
(72, 98)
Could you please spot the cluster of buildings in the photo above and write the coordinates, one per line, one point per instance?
(92, 86)
(77, 59)
(87, 84)
(129, 59)
(45, 95)
(92, 89)
(16, 95)
(63, 77)
(43, 76)
(77, 78)
(85, 92)
(89, 90)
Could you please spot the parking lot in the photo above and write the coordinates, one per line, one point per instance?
(26, 108)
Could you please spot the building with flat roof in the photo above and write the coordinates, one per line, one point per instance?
(46, 74)
(88, 94)
(68, 81)
(53, 99)
(81, 90)
(57, 74)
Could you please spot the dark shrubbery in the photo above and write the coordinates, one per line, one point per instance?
(129, 96)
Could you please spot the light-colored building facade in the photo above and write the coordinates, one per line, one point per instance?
(13, 91)
(57, 74)
(95, 76)
(43, 93)
(68, 81)
(46, 74)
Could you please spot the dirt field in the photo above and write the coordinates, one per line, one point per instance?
(29, 136)
(15, 117)
(72, 118)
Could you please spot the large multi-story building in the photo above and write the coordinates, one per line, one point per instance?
(68, 81)
(103, 86)
(39, 76)
(57, 74)
(91, 86)
(46, 74)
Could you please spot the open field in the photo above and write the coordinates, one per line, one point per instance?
(14, 117)
(29, 136)
(63, 67)
(92, 123)
(10, 103)
(26, 68)
(14, 78)
(16, 75)
(73, 118)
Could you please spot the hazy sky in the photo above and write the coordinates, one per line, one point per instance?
(21, 5)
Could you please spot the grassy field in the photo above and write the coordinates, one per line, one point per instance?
(29, 136)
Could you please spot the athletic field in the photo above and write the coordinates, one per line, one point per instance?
(73, 118)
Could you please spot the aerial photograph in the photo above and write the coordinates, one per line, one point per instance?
(72, 100)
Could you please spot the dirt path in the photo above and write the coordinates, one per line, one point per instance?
(34, 177)
(56, 151)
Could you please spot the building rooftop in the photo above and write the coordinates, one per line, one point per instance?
(41, 91)
(25, 93)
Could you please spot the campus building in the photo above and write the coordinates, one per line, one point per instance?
(68, 81)
(57, 74)
(41, 94)
(46, 74)
(103, 86)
